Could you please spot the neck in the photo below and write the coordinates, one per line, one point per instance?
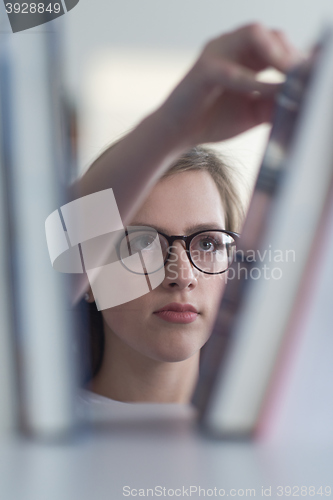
(128, 375)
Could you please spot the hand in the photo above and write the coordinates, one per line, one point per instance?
(221, 97)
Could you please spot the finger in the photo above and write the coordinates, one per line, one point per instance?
(255, 47)
(294, 55)
(274, 50)
(243, 112)
(231, 76)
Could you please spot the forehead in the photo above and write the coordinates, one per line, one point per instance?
(180, 202)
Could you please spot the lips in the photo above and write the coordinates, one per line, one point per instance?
(177, 313)
(175, 306)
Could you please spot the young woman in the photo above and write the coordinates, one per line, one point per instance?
(152, 344)
(148, 349)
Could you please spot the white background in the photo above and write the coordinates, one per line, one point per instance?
(122, 58)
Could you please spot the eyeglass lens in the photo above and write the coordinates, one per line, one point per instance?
(210, 251)
(141, 248)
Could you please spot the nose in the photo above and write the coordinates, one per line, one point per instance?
(179, 271)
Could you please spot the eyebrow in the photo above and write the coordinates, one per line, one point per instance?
(190, 230)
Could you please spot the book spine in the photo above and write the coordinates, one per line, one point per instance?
(299, 401)
(8, 368)
(268, 182)
(43, 324)
(262, 322)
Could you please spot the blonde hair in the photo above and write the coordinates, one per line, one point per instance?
(203, 158)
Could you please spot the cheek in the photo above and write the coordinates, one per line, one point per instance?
(124, 317)
(213, 285)
(115, 318)
(212, 288)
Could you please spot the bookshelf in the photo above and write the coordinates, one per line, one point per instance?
(143, 448)
(148, 452)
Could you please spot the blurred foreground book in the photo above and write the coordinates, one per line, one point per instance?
(8, 369)
(279, 249)
(34, 168)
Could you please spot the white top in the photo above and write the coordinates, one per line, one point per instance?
(99, 409)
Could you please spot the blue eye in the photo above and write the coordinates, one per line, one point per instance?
(141, 242)
(209, 244)
(206, 245)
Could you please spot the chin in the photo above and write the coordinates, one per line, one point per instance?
(176, 344)
(174, 354)
(174, 358)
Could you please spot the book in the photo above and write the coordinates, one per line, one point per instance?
(44, 332)
(8, 368)
(299, 404)
(241, 355)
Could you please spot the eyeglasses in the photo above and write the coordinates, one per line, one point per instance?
(211, 251)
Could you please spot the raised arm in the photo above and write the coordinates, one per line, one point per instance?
(219, 98)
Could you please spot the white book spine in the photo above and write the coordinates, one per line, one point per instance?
(45, 342)
(300, 406)
(241, 386)
(8, 385)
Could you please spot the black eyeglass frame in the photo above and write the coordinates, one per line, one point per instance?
(188, 239)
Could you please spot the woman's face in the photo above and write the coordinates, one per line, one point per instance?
(178, 205)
